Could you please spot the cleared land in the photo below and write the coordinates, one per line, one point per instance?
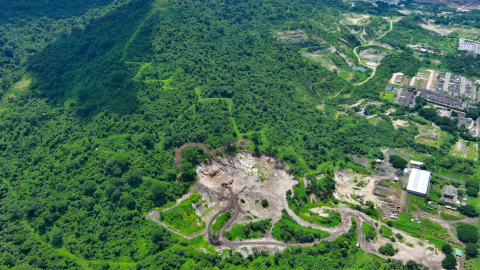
(430, 135)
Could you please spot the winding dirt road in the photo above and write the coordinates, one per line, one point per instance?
(374, 68)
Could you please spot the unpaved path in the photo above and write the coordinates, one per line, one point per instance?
(430, 78)
(374, 68)
(154, 215)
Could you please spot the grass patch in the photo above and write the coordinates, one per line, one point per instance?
(386, 231)
(248, 230)
(426, 229)
(288, 230)
(334, 218)
(182, 218)
(422, 204)
(388, 95)
(451, 215)
(200, 242)
(221, 220)
(368, 232)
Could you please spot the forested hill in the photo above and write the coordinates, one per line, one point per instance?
(87, 150)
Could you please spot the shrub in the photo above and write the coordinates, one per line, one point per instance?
(264, 203)
(390, 223)
(447, 249)
(467, 233)
(398, 161)
(449, 262)
(387, 250)
(399, 236)
(468, 210)
(471, 250)
(472, 192)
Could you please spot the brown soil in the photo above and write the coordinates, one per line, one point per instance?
(178, 151)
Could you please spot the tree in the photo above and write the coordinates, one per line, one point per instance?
(471, 250)
(449, 262)
(228, 140)
(134, 178)
(399, 236)
(14, 209)
(467, 233)
(158, 193)
(89, 187)
(55, 237)
(128, 201)
(447, 248)
(468, 210)
(264, 203)
(387, 250)
(472, 192)
(398, 161)
(390, 223)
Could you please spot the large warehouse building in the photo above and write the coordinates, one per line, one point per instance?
(419, 182)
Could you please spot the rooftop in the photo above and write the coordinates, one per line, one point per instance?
(458, 252)
(418, 182)
(449, 191)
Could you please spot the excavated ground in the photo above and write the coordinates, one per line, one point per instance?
(262, 177)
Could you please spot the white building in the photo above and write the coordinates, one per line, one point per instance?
(419, 182)
(416, 163)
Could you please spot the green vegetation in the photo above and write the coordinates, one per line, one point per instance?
(447, 248)
(472, 192)
(451, 215)
(332, 220)
(422, 228)
(88, 147)
(248, 230)
(368, 232)
(376, 27)
(449, 262)
(264, 203)
(422, 203)
(220, 221)
(287, 230)
(398, 161)
(388, 95)
(182, 218)
(467, 233)
(387, 250)
(385, 231)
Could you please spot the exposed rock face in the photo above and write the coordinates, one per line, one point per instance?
(292, 36)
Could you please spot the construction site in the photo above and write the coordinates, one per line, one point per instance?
(392, 201)
(237, 184)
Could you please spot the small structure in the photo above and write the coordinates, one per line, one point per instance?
(448, 191)
(465, 198)
(378, 160)
(389, 87)
(406, 171)
(415, 164)
(457, 202)
(458, 252)
(419, 182)
(395, 179)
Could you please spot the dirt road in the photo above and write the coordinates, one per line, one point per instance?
(374, 68)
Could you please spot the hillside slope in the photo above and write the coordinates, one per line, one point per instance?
(87, 150)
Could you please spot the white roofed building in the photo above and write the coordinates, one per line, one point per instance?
(414, 163)
(419, 182)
